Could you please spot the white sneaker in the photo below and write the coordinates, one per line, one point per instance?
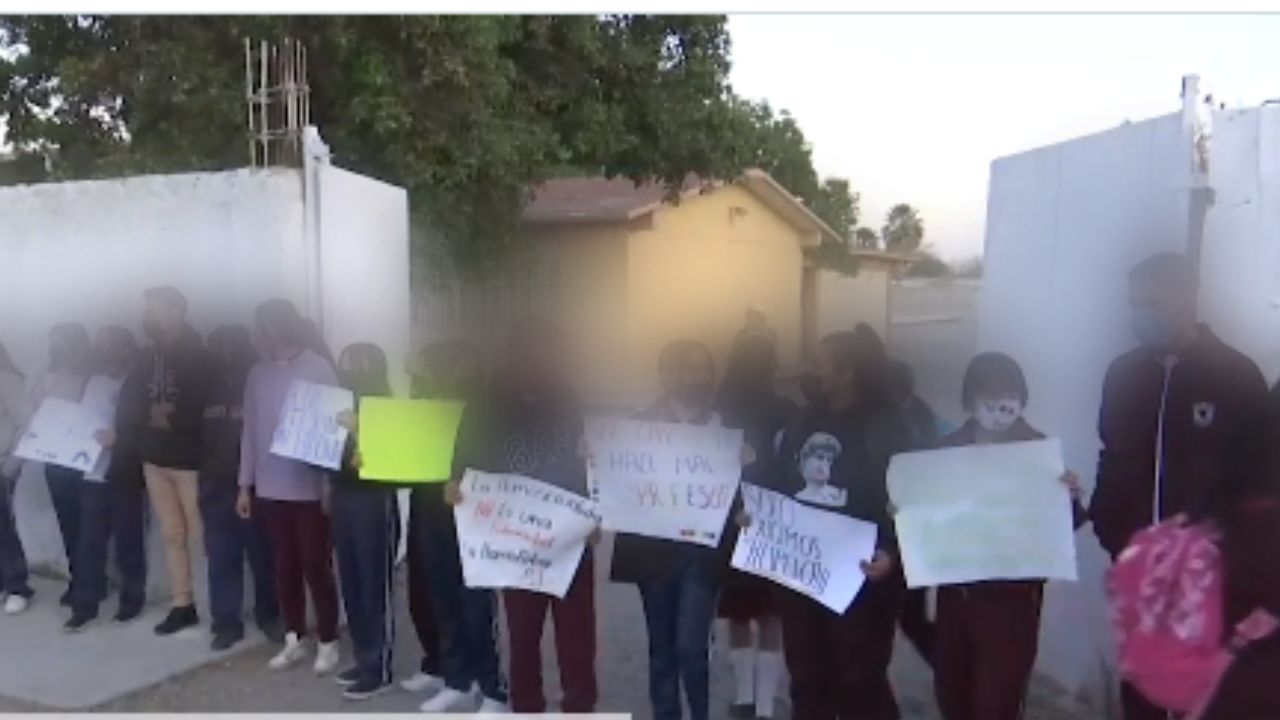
(15, 604)
(292, 653)
(489, 706)
(448, 700)
(327, 657)
(422, 683)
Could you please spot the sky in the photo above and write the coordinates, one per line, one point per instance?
(914, 108)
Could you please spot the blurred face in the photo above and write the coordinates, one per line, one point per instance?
(997, 411)
(534, 362)
(830, 376)
(694, 383)
(1159, 312)
(163, 319)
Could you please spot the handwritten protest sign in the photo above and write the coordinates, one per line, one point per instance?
(516, 532)
(983, 513)
(61, 433)
(665, 480)
(815, 552)
(309, 429)
(408, 440)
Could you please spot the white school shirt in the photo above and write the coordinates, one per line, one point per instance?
(101, 398)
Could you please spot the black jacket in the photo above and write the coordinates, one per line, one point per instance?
(853, 448)
(223, 421)
(176, 375)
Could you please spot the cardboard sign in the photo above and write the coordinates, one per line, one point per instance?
(517, 532)
(61, 433)
(309, 429)
(983, 512)
(817, 553)
(408, 441)
(665, 480)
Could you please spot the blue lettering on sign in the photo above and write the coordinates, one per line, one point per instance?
(631, 461)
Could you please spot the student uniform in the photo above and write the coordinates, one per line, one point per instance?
(366, 535)
(14, 414)
(679, 584)
(64, 483)
(421, 613)
(539, 437)
(987, 633)
(289, 496)
(839, 663)
(230, 540)
(1164, 424)
(112, 506)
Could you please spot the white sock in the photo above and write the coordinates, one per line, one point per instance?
(768, 678)
(743, 661)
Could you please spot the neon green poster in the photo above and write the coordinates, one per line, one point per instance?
(407, 441)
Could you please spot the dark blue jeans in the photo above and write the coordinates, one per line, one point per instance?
(64, 490)
(111, 515)
(366, 535)
(230, 541)
(468, 630)
(679, 610)
(13, 560)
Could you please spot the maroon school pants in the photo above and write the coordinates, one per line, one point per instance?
(839, 664)
(986, 642)
(303, 552)
(575, 634)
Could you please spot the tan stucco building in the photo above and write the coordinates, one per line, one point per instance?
(626, 269)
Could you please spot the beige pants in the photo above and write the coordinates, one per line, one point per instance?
(174, 495)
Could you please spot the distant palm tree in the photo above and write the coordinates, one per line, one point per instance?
(903, 229)
(866, 238)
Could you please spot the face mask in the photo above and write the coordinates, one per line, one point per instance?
(1153, 328)
(997, 414)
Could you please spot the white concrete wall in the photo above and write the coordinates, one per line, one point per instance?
(1065, 223)
(843, 301)
(363, 242)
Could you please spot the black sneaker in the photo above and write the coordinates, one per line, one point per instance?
(365, 689)
(223, 640)
(127, 613)
(65, 599)
(348, 677)
(80, 620)
(273, 630)
(178, 619)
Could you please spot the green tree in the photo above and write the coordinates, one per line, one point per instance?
(928, 265)
(467, 112)
(837, 205)
(903, 229)
(866, 238)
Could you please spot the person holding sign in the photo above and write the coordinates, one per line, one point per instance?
(678, 581)
(987, 632)
(366, 535)
(530, 424)
(70, 363)
(112, 498)
(464, 616)
(837, 454)
(289, 493)
(230, 540)
(749, 401)
(15, 411)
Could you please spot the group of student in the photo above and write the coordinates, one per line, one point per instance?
(1186, 427)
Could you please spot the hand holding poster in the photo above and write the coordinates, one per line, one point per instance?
(516, 532)
(815, 552)
(61, 433)
(309, 429)
(665, 480)
(983, 512)
(408, 440)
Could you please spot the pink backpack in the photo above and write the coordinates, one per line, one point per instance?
(1166, 596)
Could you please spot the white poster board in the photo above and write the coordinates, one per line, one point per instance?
(817, 553)
(61, 433)
(983, 512)
(309, 429)
(665, 480)
(517, 532)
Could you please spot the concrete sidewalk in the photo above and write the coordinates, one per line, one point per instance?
(47, 667)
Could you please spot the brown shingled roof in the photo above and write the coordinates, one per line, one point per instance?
(595, 199)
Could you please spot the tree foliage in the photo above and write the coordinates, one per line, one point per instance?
(866, 238)
(903, 229)
(466, 112)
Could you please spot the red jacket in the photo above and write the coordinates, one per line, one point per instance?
(1169, 419)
